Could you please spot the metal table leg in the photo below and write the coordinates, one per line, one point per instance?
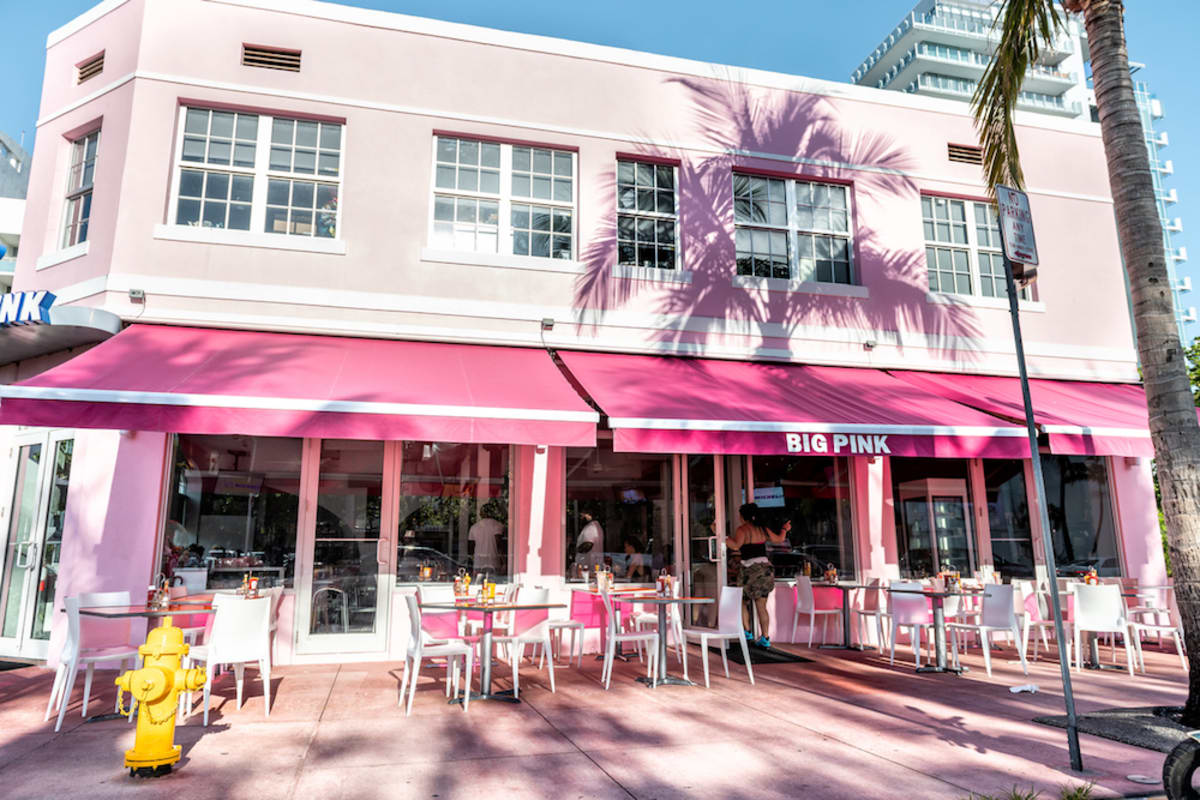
(939, 641)
(660, 673)
(846, 643)
(485, 669)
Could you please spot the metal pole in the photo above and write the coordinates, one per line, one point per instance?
(1047, 542)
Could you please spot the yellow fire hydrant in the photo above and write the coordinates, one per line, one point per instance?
(156, 687)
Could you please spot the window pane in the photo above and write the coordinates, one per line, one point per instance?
(447, 149)
(243, 155)
(239, 217)
(276, 220)
(188, 212)
(305, 161)
(281, 159)
(281, 131)
(468, 152)
(489, 181)
(217, 185)
(490, 155)
(214, 215)
(306, 134)
(277, 192)
(222, 124)
(247, 126)
(562, 164)
(193, 149)
(1081, 514)
(190, 183)
(327, 164)
(302, 194)
(443, 208)
(445, 177)
(233, 503)
(220, 152)
(196, 121)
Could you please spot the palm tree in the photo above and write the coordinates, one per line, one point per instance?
(1025, 26)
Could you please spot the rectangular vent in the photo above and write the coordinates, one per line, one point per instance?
(270, 58)
(89, 69)
(965, 153)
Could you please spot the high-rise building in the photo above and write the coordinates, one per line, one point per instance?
(14, 179)
(942, 48)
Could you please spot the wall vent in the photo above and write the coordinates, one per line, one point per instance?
(965, 153)
(85, 70)
(254, 55)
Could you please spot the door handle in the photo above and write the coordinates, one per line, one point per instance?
(381, 554)
(712, 548)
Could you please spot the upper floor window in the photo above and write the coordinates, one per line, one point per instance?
(792, 229)
(490, 197)
(80, 176)
(963, 254)
(254, 172)
(647, 218)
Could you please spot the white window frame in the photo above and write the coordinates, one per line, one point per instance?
(505, 200)
(75, 194)
(974, 249)
(656, 215)
(794, 230)
(261, 173)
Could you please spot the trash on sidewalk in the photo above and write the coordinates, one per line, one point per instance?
(1025, 687)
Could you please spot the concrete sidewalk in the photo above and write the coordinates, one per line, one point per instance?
(845, 726)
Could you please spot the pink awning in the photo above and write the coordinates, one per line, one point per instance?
(1079, 418)
(687, 405)
(193, 380)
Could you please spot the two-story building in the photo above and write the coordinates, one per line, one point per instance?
(350, 300)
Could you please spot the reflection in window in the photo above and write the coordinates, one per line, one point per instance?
(232, 509)
(1008, 517)
(453, 511)
(1081, 514)
(618, 513)
(56, 512)
(811, 493)
(933, 516)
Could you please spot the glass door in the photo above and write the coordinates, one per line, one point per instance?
(954, 551)
(345, 575)
(937, 528)
(703, 566)
(33, 542)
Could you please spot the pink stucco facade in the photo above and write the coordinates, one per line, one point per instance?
(394, 83)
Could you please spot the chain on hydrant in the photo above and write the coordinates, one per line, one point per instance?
(156, 688)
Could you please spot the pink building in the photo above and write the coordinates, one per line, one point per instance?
(351, 300)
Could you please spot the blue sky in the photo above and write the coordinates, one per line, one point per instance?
(817, 38)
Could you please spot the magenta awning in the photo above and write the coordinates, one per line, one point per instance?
(1079, 418)
(194, 380)
(666, 404)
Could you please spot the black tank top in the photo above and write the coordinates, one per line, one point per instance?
(754, 550)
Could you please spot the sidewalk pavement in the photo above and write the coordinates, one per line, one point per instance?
(844, 726)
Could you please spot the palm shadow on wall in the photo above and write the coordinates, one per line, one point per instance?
(796, 133)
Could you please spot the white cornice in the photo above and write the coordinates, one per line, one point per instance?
(83, 20)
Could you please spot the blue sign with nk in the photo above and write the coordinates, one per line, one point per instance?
(25, 308)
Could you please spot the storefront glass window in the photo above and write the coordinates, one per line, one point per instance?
(1008, 517)
(811, 493)
(232, 509)
(1081, 514)
(618, 513)
(934, 531)
(453, 511)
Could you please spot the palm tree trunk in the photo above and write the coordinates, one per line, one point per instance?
(1173, 425)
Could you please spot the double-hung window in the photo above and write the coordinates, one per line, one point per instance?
(962, 248)
(492, 197)
(792, 229)
(80, 176)
(647, 218)
(255, 172)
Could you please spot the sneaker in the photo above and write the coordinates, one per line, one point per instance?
(749, 636)
(763, 641)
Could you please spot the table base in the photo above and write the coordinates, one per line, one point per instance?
(858, 647)
(669, 680)
(106, 717)
(952, 670)
(504, 696)
(620, 655)
(1098, 667)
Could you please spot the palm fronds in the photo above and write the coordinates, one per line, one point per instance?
(1024, 26)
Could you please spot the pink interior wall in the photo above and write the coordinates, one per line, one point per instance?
(111, 521)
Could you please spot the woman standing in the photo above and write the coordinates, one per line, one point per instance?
(757, 577)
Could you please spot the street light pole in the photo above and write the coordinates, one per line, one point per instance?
(1044, 519)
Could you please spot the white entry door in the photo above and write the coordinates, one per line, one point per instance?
(345, 569)
(35, 493)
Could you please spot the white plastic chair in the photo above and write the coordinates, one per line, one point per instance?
(615, 636)
(531, 626)
(1174, 629)
(73, 654)
(1101, 609)
(1027, 606)
(729, 626)
(240, 635)
(874, 607)
(563, 619)
(998, 615)
(806, 604)
(910, 611)
(421, 646)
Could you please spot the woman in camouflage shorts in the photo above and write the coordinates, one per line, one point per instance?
(757, 577)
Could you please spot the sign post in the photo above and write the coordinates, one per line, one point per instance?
(1020, 262)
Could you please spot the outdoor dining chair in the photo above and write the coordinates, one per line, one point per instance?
(529, 626)
(566, 619)
(120, 651)
(1101, 609)
(910, 611)
(729, 627)
(649, 619)
(1173, 628)
(1028, 608)
(806, 604)
(422, 646)
(240, 635)
(614, 636)
(996, 616)
(874, 607)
